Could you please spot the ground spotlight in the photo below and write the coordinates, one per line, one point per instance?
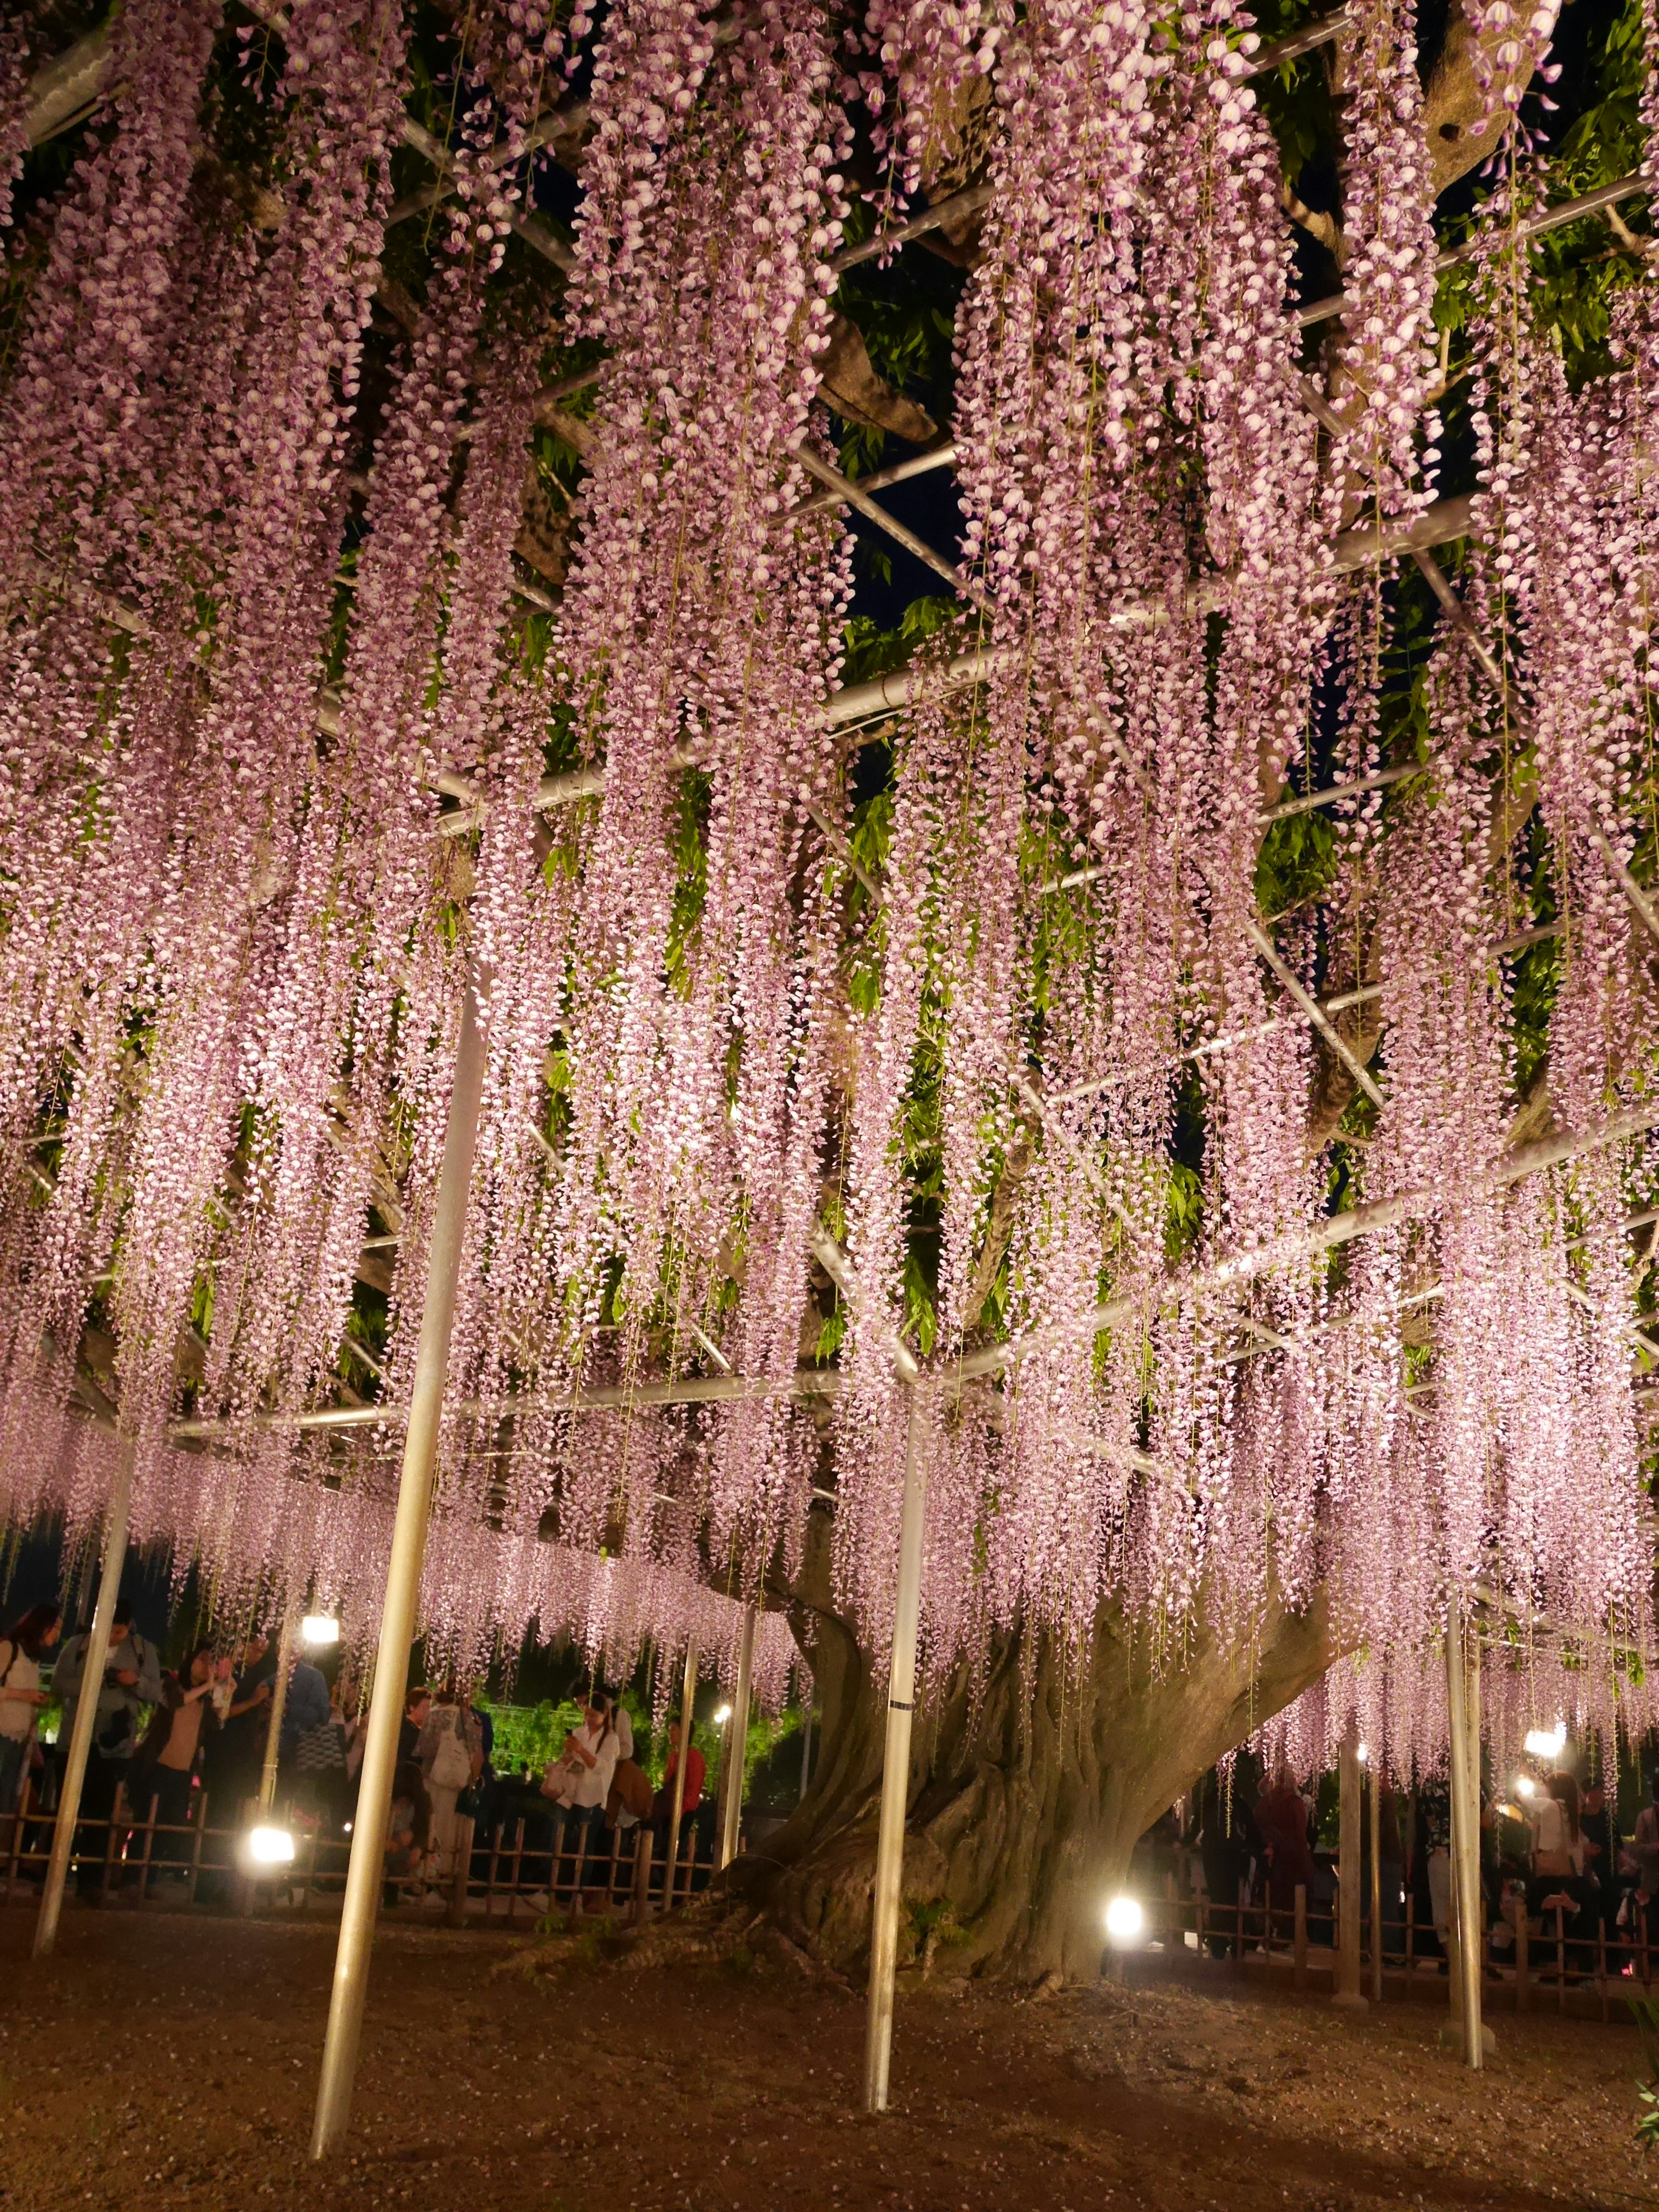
(271, 1847)
(1125, 1920)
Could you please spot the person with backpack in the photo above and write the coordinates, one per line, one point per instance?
(22, 1696)
(450, 1758)
(133, 1680)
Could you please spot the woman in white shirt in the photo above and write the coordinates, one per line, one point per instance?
(578, 1780)
(22, 1696)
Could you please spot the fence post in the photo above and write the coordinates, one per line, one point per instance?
(578, 1869)
(1560, 1960)
(113, 1832)
(1522, 1979)
(1299, 1940)
(18, 1819)
(642, 1877)
(517, 1867)
(149, 1849)
(195, 1846)
(462, 1870)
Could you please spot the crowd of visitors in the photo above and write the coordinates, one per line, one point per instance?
(1552, 1848)
(168, 1743)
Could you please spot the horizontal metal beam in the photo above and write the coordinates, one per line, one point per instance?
(806, 1383)
(1555, 218)
(1327, 1236)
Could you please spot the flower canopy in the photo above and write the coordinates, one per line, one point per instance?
(1201, 1007)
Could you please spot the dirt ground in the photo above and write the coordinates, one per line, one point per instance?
(163, 2061)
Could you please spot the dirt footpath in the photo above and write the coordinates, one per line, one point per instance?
(164, 2062)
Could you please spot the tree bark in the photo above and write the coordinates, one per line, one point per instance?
(1029, 1785)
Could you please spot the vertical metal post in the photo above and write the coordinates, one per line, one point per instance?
(895, 1768)
(1350, 1887)
(1376, 1877)
(1465, 1913)
(278, 1703)
(365, 1870)
(85, 1706)
(736, 1745)
(682, 1767)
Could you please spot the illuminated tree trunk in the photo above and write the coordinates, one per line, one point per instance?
(1028, 1790)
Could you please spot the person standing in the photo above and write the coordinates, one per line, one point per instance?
(662, 1817)
(239, 1748)
(305, 1708)
(1601, 1846)
(450, 1758)
(579, 1783)
(417, 1704)
(21, 1649)
(133, 1680)
(165, 1767)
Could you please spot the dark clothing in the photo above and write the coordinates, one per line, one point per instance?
(104, 1778)
(1283, 1819)
(170, 1787)
(239, 1749)
(306, 1706)
(1601, 1866)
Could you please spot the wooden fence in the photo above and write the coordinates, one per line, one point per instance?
(1541, 1962)
(513, 1877)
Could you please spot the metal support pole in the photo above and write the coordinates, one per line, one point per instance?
(278, 1701)
(895, 1770)
(86, 1705)
(366, 1869)
(736, 1745)
(1376, 1878)
(1465, 1849)
(1351, 1886)
(682, 1767)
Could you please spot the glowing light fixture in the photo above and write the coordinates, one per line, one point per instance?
(271, 1847)
(1524, 1785)
(1363, 1754)
(1125, 1920)
(722, 1717)
(320, 1629)
(1548, 1743)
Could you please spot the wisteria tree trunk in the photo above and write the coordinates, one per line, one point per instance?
(1028, 1790)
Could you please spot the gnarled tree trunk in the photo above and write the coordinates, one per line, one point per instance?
(1028, 1784)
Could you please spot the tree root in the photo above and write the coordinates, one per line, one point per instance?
(711, 1932)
